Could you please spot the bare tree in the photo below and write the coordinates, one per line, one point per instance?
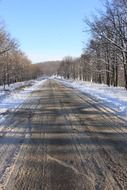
(14, 64)
(109, 33)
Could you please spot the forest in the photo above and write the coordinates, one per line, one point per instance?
(104, 59)
(14, 64)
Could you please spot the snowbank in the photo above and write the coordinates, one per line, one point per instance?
(113, 97)
(14, 96)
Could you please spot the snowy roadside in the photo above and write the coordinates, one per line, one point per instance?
(113, 97)
(16, 94)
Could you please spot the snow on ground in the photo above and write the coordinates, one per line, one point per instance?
(16, 94)
(113, 97)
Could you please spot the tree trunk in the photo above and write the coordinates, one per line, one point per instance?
(125, 68)
(108, 75)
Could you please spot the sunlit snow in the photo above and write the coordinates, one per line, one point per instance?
(113, 97)
(13, 96)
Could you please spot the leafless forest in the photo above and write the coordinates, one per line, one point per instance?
(103, 60)
(14, 64)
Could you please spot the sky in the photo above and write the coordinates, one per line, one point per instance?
(48, 29)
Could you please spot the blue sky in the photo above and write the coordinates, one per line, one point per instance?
(48, 29)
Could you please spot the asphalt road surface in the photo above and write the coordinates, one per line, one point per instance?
(60, 139)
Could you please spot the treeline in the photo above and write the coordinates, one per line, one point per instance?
(105, 57)
(14, 64)
(48, 68)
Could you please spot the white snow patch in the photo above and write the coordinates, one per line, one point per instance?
(113, 97)
(13, 98)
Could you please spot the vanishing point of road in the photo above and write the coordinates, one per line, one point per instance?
(61, 139)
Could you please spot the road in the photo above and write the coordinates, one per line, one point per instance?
(60, 139)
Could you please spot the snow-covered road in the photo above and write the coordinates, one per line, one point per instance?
(60, 138)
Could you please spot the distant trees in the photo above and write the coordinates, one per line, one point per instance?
(14, 64)
(69, 68)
